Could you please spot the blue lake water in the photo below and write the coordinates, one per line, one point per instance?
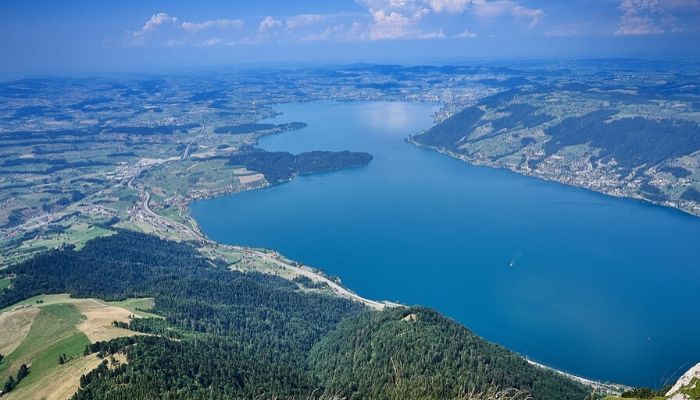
(601, 287)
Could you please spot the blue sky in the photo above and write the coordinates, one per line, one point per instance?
(41, 36)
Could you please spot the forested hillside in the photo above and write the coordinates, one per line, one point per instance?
(417, 353)
(229, 334)
(279, 166)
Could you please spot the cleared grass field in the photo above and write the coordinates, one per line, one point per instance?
(15, 326)
(60, 383)
(138, 307)
(4, 283)
(38, 330)
(53, 333)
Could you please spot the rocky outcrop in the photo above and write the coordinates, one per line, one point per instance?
(687, 387)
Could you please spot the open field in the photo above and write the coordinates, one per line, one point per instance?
(53, 333)
(15, 326)
(138, 307)
(64, 381)
(40, 329)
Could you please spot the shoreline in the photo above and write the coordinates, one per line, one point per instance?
(609, 389)
(474, 162)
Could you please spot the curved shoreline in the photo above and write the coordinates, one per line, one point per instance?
(694, 211)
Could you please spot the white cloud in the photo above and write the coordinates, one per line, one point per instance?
(466, 34)
(439, 34)
(641, 17)
(402, 19)
(382, 20)
(452, 6)
(153, 23)
(269, 23)
(391, 19)
(327, 34)
(533, 16)
(358, 31)
(303, 20)
(176, 33)
(212, 23)
(655, 17)
(486, 9)
(388, 25)
(156, 21)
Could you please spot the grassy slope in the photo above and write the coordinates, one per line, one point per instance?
(139, 307)
(54, 332)
(4, 283)
(59, 383)
(15, 326)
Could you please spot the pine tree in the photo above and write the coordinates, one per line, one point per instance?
(22, 373)
(9, 385)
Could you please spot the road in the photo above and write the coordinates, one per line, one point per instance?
(186, 153)
(276, 259)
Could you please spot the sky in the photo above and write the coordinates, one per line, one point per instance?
(80, 35)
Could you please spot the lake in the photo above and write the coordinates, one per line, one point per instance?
(600, 287)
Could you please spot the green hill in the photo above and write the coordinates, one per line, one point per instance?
(417, 353)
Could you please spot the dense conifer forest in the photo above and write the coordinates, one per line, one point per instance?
(229, 334)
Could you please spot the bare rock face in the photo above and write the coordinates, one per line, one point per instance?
(687, 387)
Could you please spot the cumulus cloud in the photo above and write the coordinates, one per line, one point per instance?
(391, 19)
(393, 25)
(452, 6)
(401, 19)
(302, 20)
(212, 23)
(211, 42)
(439, 34)
(486, 9)
(655, 17)
(533, 16)
(640, 17)
(381, 20)
(151, 26)
(466, 34)
(175, 33)
(157, 20)
(332, 32)
(269, 23)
